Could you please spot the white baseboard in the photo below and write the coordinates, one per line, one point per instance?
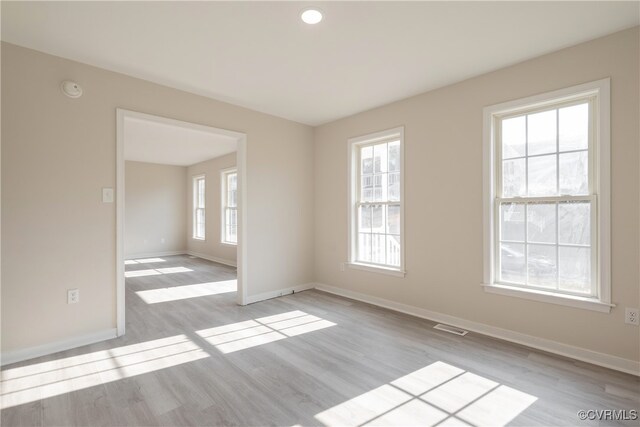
(14, 356)
(153, 254)
(280, 292)
(213, 258)
(578, 353)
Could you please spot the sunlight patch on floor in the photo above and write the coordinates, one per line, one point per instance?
(439, 394)
(156, 271)
(174, 293)
(252, 333)
(143, 261)
(42, 380)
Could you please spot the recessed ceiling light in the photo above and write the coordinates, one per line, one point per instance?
(311, 16)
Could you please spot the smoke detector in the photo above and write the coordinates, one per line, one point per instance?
(71, 89)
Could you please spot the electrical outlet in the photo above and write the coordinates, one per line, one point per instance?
(73, 296)
(342, 266)
(632, 316)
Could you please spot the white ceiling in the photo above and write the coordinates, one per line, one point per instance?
(152, 141)
(260, 55)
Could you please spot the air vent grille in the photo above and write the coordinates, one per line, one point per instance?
(451, 329)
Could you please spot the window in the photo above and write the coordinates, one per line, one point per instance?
(548, 196)
(229, 179)
(376, 211)
(198, 207)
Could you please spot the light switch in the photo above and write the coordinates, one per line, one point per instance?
(107, 195)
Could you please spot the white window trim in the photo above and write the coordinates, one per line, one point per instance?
(602, 154)
(223, 205)
(352, 146)
(194, 179)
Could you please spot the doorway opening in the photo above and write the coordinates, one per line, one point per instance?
(180, 211)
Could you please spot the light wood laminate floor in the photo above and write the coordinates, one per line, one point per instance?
(191, 356)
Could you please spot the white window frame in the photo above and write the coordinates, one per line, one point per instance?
(224, 173)
(599, 158)
(354, 144)
(194, 184)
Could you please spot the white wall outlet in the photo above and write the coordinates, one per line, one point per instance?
(632, 316)
(73, 296)
(107, 195)
(342, 266)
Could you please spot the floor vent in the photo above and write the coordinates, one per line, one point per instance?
(451, 329)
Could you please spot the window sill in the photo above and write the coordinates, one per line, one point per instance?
(377, 269)
(549, 297)
(200, 239)
(229, 244)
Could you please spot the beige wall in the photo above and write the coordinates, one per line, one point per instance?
(211, 248)
(59, 152)
(155, 209)
(443, 197)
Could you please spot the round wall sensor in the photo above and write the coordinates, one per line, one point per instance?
(71, 89)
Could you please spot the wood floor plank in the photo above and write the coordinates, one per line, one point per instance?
(204, 360)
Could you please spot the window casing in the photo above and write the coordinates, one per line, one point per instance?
(547, 191)
(376, 237)
(229, 215)
(199, 207)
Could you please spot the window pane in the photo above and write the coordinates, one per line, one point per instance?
(380, 158)
(393, 219)
(394, 186)
(512, 222)
(513, 178)
(231, 225)
(378, 219)
(380, 187)
(574, 127)
(367, 188)
(542, 266)
(232, 234)
(234, 218)
(364, 247)
(394, 156)
(364, 215)
(541, 131)
(378, 223)
(367, 160)
(512, 268)
(542, 176)
(574, 173)
(393, 250)
(200, 216)
(574, 223)
(513, 137)
(541, 222)
(378, 250)
(574, 272)
(232, 189)
(200, 193)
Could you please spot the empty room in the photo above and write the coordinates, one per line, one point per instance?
(320, 213)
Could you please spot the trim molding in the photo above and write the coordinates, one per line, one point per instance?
(280, 292)
(549, 297)
(578, 353)
(153, 254)
(14, 356)
(213, 258)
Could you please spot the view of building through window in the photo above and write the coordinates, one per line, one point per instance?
(230, 208)
(378, 204)
(545, 203)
